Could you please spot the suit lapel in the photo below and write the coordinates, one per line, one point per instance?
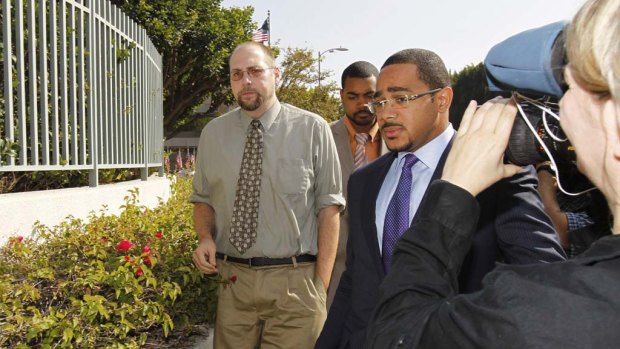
(374, 179)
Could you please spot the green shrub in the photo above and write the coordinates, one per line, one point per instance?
(109, 282)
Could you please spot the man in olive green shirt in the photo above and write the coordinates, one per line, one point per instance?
(278, 270)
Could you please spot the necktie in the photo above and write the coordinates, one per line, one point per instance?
(360, 159)
(397, 214)
(245, 209)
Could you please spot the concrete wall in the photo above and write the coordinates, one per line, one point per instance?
(19, 211)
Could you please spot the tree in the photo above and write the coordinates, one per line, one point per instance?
(468, 84)
(298, 85)
(195, 38)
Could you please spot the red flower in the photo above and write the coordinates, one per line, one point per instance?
(127, 259)
(147, 260)
(159, 235)
(16, 240)
(146, 249)
(233, 279)
(124, 245)
(139, 272)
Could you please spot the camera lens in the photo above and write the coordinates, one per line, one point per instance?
(523, 147)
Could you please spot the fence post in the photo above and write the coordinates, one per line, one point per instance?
(73, 105)
(144, 172)
(8, 77)
(93, 174)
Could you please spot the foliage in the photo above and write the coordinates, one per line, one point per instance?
(11, 182)
(195, 38)
(298, 84)
(109, 282)
(7, 148)
(468, 84)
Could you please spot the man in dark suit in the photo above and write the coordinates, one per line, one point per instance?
(412, 103)
(358, 142)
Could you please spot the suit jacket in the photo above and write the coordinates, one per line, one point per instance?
(341, 137)
(512, 228)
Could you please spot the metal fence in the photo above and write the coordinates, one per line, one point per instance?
(82, 88)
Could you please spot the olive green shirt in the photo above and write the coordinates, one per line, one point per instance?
(300, 176)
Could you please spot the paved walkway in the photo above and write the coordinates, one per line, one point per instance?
(204, 342)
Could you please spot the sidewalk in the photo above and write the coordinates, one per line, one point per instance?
(202, 342)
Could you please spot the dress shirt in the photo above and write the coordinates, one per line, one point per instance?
(301, 175)
(571, 304)
(428, 158)
(372, 147)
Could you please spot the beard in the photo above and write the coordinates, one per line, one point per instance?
(249, 105)
(362, 117)
(406, 147)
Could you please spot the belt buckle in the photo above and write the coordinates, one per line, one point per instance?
(250, 262)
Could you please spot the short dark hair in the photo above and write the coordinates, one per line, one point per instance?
(431, 69)
(359, 69)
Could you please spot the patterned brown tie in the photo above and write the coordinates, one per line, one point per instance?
(359, 158)
(245, 210)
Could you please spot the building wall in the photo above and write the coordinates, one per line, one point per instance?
(19, 211)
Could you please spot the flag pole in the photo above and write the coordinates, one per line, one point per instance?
(269, 24)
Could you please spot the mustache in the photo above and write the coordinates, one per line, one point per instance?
(362, 111)
(390, 123)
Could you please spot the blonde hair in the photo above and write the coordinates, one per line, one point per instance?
(593, 47)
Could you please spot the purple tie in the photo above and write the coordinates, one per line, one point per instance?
(397, 214)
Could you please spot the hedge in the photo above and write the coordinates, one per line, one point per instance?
(111, 281)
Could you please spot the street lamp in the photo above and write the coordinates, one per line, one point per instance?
(328, 51)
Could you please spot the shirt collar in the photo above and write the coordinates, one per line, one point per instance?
(266, 119)
(374, 131)
(430, 153)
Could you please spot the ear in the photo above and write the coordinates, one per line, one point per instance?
(444, 99)
(611, 123)
(342, 94)
(276, 75)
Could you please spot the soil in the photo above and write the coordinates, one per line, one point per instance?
(195, 337)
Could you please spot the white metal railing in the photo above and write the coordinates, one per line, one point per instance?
(82, 88)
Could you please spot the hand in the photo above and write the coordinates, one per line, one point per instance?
(547, 184)
(476, 159)
(204, 256)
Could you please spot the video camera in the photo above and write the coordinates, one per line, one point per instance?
(531, 65)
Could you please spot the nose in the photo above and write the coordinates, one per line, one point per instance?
(245, 78)
(387, 113)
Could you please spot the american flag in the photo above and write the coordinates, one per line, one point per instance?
(262, 34)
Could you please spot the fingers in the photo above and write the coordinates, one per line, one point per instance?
(506, 119)
(204, 260)
(481, 118)
(495, 115)
(212, 259)
(475, 161)
(467, 116)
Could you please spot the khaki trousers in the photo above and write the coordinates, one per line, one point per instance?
(269, 307)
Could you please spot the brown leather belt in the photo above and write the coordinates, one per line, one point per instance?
(265, 261)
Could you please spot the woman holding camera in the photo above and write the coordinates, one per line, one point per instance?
(572, 304)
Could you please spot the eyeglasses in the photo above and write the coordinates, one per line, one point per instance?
(398, 102)
(253, 72)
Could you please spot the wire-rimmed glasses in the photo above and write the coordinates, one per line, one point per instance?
(253, 72)
(398, 102)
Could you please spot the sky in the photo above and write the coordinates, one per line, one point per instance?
(461, 32)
